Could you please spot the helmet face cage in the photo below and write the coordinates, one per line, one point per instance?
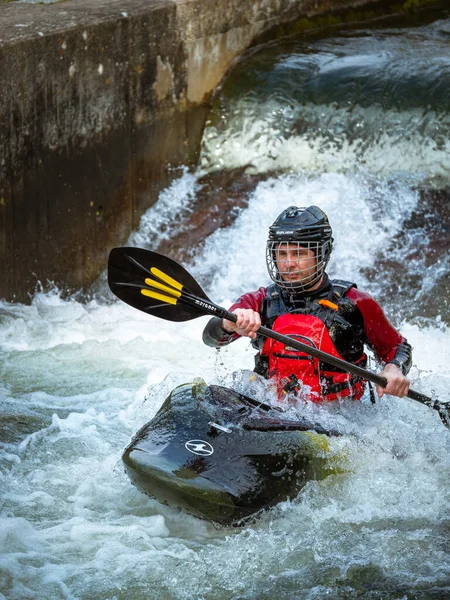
(295, 265)
(299, 248)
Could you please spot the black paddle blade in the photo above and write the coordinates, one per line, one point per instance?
(129, 267)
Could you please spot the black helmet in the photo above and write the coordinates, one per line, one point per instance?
(299, 228)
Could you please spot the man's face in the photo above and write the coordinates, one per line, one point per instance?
(295, 263)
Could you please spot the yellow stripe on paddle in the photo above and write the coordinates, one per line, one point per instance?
(161, 286)
(158, 296)
(166, 278)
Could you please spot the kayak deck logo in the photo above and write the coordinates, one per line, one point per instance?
(199, 447)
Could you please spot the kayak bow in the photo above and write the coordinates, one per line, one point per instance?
(210, 452)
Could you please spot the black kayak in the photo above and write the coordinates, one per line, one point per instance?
(222, 456)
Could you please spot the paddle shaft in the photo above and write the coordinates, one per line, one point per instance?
(218, 311)
(324, 356)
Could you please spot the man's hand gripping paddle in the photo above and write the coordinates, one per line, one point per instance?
(159, 286)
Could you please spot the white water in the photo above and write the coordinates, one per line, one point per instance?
(268, 144)
(78, 380)
(340, 103)
(72, 525)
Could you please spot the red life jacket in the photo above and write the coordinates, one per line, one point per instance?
(295, 371)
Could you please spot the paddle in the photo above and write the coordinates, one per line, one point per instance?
(158, 285)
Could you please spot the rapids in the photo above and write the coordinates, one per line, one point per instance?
(357, 123)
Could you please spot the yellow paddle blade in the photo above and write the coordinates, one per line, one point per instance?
(172, 282)
(161, 286)
(158, 296)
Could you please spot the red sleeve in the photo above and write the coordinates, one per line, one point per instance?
(251, 300)
(381, 336)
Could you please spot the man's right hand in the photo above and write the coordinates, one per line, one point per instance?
(247, 324)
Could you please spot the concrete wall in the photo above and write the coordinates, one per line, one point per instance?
(99, 101)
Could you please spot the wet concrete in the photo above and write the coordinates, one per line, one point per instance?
(85, 148)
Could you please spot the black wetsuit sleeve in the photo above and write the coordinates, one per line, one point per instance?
(403, 357)
(214, 335)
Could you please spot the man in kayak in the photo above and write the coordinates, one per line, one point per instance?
(332, 315)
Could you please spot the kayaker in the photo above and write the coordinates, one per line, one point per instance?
(332, 315)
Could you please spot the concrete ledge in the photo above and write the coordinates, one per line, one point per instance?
(100, 100)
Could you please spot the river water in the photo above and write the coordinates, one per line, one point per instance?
(359, 124)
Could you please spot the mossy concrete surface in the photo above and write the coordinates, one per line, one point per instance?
(100, 101)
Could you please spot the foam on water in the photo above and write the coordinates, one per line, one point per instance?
(166, 218)
(338, 104)
(269, 145)
(344, 198)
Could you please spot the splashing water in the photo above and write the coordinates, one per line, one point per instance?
(79, 379)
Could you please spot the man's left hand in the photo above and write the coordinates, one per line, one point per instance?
(397, 383)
